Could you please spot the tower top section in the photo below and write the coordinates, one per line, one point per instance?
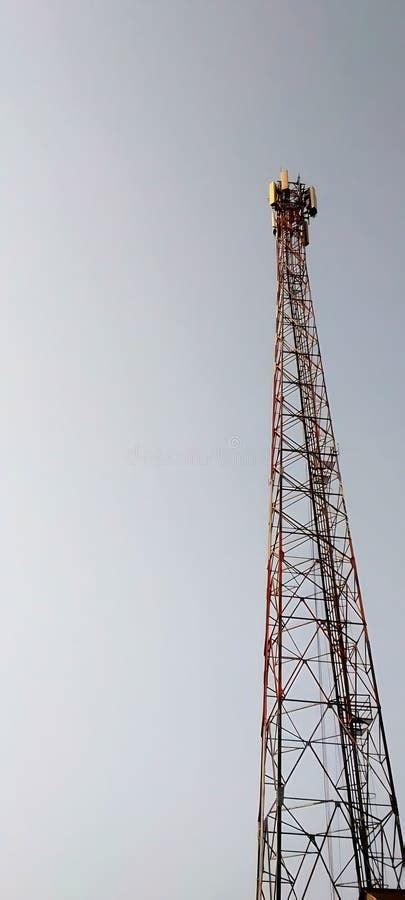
(292, 203)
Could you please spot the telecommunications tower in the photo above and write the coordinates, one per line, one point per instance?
(328, 815)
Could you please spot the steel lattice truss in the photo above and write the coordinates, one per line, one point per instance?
(328, 816)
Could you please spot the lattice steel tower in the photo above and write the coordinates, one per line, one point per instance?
(328, 815)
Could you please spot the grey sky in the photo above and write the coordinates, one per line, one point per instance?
(137, 285)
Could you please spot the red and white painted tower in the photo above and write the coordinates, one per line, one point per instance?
(328, 815)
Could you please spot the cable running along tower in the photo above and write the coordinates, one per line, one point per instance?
(328, 817)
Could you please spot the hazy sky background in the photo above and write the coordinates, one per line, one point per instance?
(137, 296)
